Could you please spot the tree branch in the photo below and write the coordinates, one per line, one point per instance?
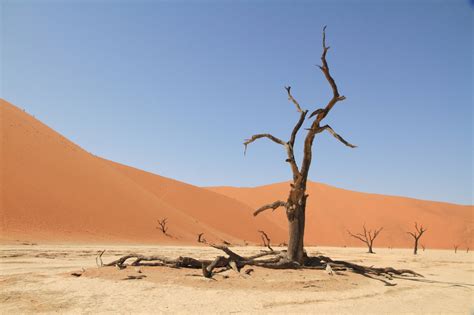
(302, 116)
(316, 112)
(337, 136)
(325, 69)
(266, 240)
(272, 206)
(291, 142)
(376, 232)
(320, 113)
(263, 135)
(358, 237)
(291, 98)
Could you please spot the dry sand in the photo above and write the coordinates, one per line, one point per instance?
(37, 278)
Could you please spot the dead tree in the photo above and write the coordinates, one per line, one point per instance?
(265, 240)
(423, 247)
(201, 239)
(368, 237)
(295, 205)
(455, 246)
(416, 235)
(163, 225)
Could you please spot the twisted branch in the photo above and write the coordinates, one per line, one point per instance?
(325, 69)
(321, 113)
(263, 135)
(291, 98)
(272, 206)
(266, 240)
(337, 136)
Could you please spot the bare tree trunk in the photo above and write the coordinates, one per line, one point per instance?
(370, 250)
(415, 250)
(296, 221)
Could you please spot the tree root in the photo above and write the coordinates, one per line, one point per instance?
(266, 259)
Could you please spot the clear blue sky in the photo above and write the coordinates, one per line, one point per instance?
(174, 87)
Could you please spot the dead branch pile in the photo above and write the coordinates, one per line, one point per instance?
(273, 259)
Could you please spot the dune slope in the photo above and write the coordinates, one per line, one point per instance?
(332, 211)
(52, 190)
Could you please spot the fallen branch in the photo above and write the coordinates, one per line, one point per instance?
(266, 259)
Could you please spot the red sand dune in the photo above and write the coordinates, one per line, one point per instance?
(332, 211)
(52, 190)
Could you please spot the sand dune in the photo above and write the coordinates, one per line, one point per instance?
(332, 211)
(53, 190)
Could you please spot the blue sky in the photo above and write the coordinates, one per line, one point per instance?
(175, 87)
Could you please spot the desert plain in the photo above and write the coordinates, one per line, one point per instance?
(38, 279)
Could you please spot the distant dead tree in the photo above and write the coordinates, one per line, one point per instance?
(295, 205)
(265, 240)
(419, 230)
(368, 237)
(423, 247)
(201, 239)
(163, 225)
(455, 246)
(467, 250)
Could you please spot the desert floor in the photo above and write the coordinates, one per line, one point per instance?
(37, 278)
